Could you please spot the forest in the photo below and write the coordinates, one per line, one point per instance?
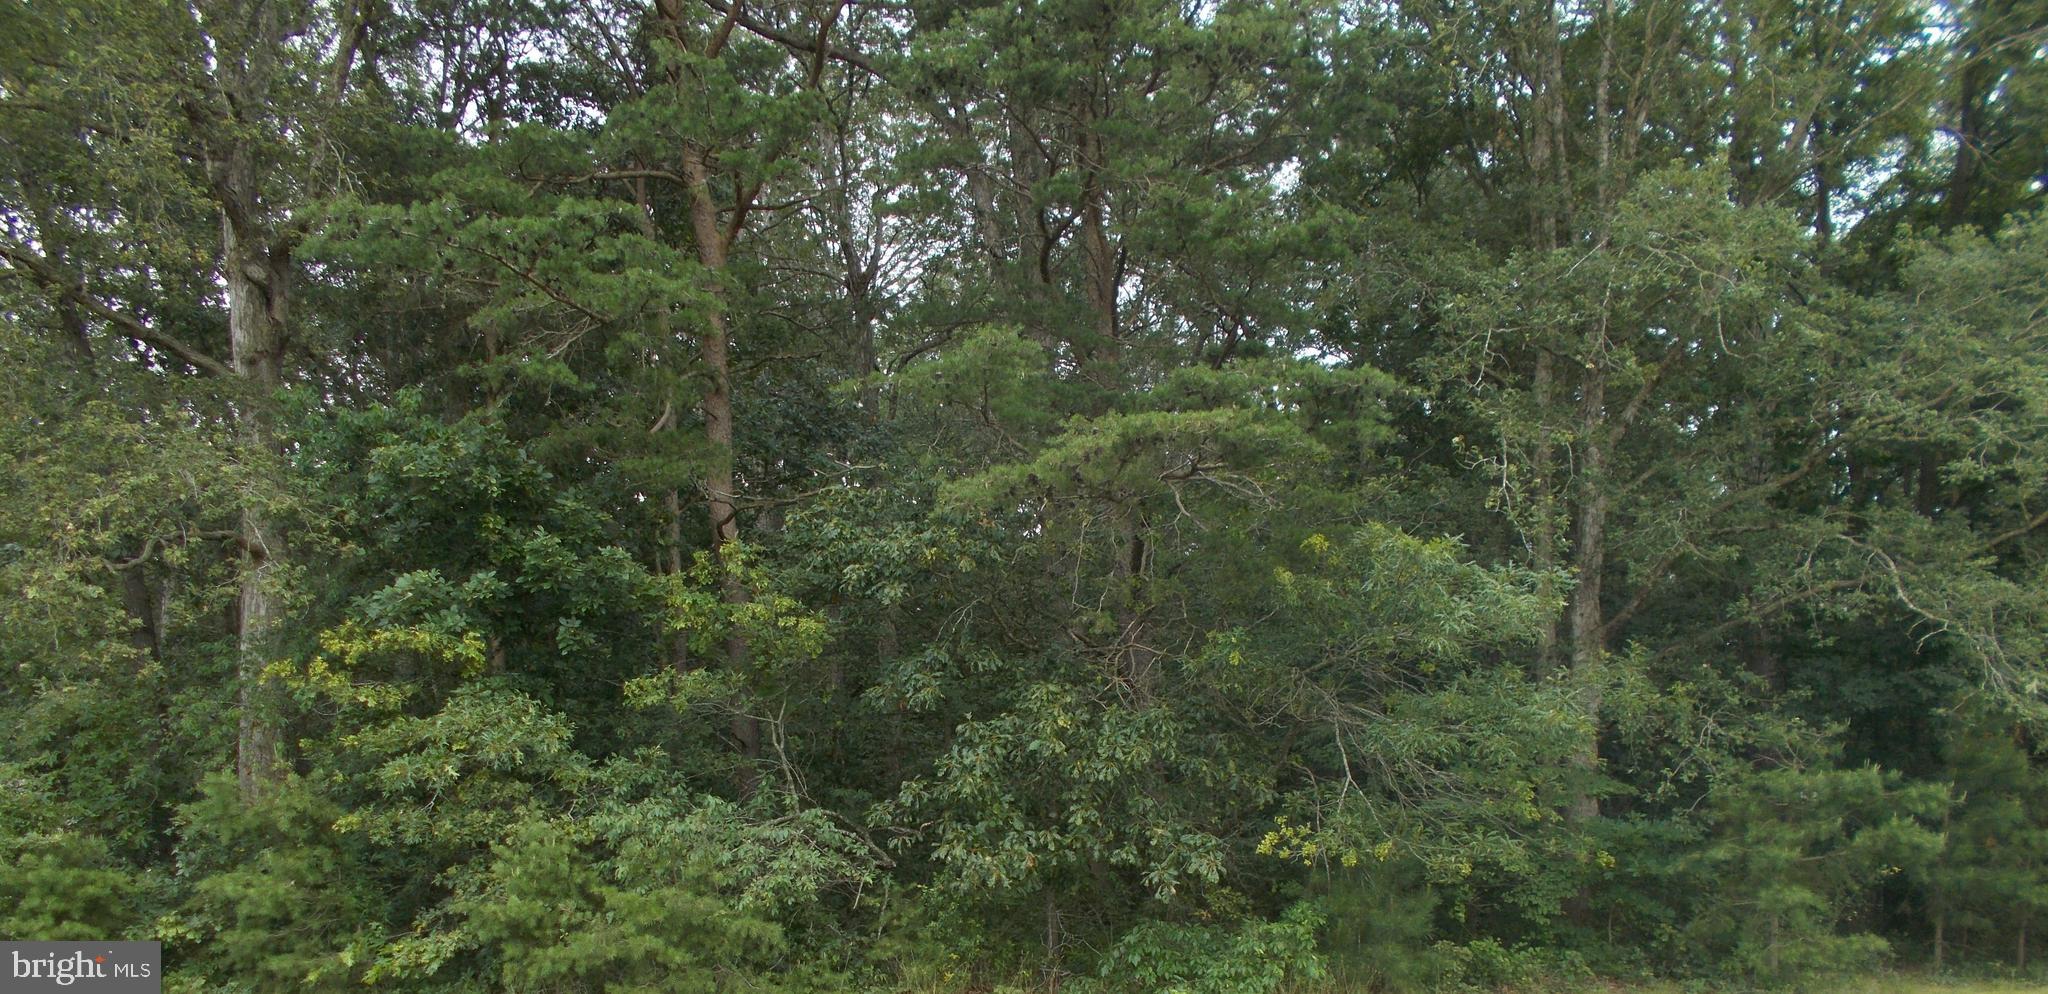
(1089, 496)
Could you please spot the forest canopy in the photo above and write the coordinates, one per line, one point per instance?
(1095, 495)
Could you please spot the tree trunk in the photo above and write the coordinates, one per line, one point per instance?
(860, 269)
(1103, 353)
(141, 604)
(1543, 496)
(1589, 556)
(720, 502)
(1969, 164)
(1136, 659)
(247, 41)
(1938, 897)
(1052, 941)
(257, 293)
(672, 564)
(1548, 229)
(1927, 482)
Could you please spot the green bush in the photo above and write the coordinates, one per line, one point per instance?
(57, 883)
(1791, 853)
(1255, 957)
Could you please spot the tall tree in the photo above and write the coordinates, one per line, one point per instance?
(237, 98)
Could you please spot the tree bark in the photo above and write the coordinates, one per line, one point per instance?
(1052, 941)
(1543, 497)
(256, 279)
(256, 269)
(1589, 556)
(720, 502)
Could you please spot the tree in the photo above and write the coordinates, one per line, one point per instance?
(818, 494)
(228, 100)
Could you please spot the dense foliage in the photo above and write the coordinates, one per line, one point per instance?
(1115, 495)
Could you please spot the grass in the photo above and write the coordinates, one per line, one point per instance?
(1880, 984)
(1922, 985)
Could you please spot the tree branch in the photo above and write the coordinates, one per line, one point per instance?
(768, 32)
(39, 270)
